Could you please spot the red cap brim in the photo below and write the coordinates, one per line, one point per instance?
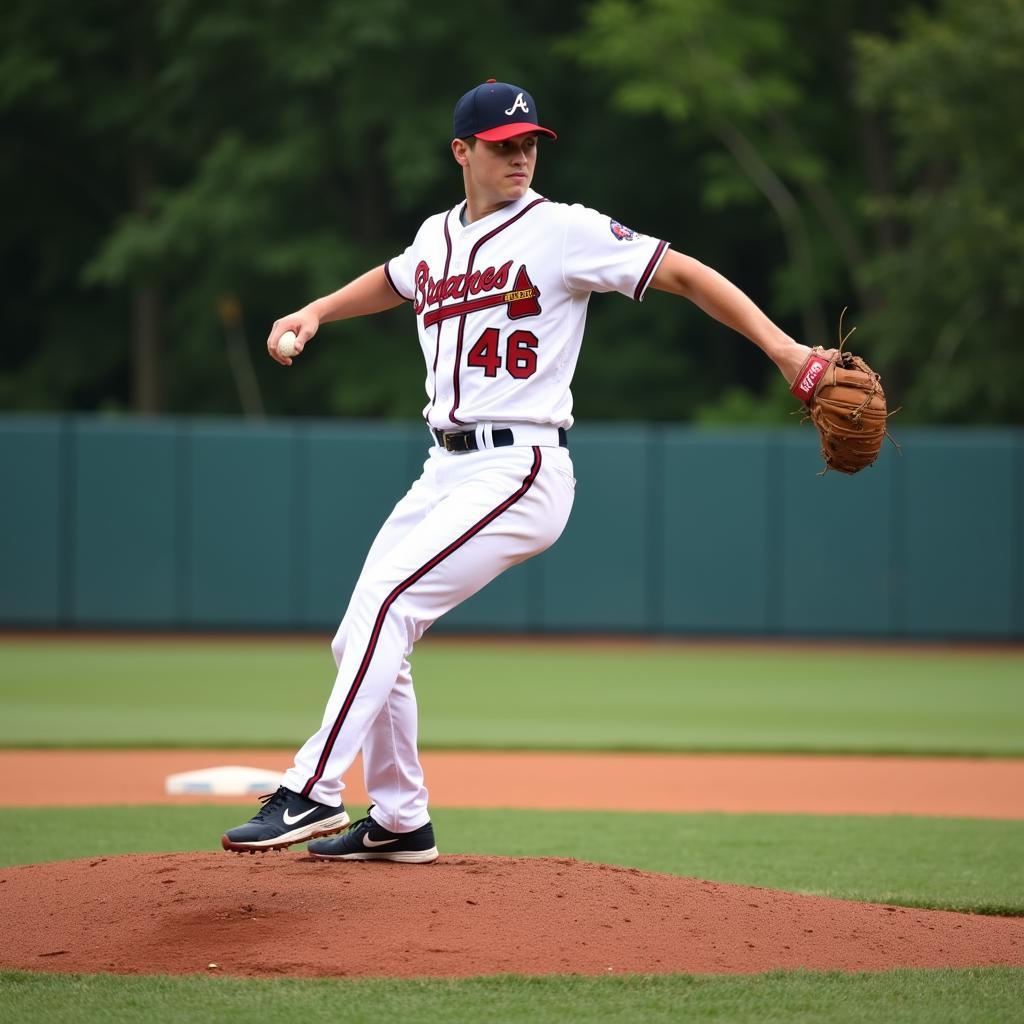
(508, 131)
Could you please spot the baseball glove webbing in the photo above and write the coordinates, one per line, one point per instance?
(846, 404)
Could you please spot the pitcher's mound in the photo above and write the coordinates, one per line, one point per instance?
(287, 914)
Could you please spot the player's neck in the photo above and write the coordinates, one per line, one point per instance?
(475, 210)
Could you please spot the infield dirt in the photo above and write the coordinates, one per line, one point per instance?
(675, 783)
(287, 914)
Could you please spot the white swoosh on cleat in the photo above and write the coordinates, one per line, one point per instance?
(371, 843)
(289, 820)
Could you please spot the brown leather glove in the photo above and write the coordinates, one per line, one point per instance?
(846, 403)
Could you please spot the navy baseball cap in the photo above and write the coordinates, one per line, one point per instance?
(495, 111)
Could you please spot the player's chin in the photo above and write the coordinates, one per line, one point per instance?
(516, 188)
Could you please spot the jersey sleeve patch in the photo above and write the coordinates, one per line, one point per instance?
(621, 232)
(601, 254)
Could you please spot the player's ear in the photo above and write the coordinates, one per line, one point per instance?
(460, 150)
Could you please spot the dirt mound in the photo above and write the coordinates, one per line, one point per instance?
(287, 914)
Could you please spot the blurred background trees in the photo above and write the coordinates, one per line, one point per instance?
(178, 175)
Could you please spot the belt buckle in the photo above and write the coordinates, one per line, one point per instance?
(455, 441)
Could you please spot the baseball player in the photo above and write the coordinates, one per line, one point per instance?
(499, 286)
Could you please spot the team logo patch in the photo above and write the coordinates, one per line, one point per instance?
(621, 232)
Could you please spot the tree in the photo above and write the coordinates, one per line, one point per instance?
(184, 173)
(733, 74)
(210, 168)
(951, 88)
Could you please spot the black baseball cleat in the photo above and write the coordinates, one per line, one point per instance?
(285, 818)
(366, 840)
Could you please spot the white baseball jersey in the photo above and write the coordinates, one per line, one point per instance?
(501, 305)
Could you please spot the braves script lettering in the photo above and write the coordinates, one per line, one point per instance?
(459, 286)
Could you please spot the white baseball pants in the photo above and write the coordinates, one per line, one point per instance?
(468, 517)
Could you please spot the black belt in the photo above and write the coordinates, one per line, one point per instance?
(465, 440)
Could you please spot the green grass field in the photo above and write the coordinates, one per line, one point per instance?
(653, 697)
(991, 996)
(511, 695)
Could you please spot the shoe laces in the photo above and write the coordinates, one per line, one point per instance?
(270, 802)
(366, 822)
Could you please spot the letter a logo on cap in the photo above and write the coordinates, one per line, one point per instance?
(496, 111)
(519, 104)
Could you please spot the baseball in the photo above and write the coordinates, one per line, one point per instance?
(286, 345)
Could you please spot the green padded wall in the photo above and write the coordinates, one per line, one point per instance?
(126, 548)
(596, 575)
(34, 474)
(1017, 536)
(961, 519)
(351, 479)
(839, 566)
(241, 507)
(216, 524)
(715, 547)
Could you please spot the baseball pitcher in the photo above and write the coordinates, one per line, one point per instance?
(498, 287)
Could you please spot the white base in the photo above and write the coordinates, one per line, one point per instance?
(226, 780)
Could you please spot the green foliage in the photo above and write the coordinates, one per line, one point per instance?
(739, 405)
(247, 156)
(186, 173)
(734, 81)
(952, 289)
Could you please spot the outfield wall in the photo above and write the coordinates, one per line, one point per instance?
(224, 524)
